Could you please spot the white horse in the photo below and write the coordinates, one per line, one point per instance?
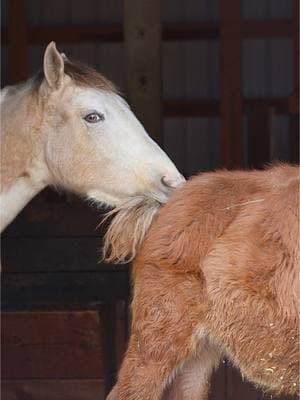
(68, 127)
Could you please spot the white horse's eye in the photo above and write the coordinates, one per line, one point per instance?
(94, 117)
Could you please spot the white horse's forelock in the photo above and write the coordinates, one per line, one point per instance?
(128, 228)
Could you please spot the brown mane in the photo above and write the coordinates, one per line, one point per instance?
(81, 74)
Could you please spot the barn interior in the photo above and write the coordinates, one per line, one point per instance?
(216, 84)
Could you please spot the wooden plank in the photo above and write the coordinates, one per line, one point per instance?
(191, 108)
(51, 214)
(259, 131)
(218, 383)
(108, 316)
(51, 291)
(294, 99)
(52, 345)
(237, 388)
(204, 30)
(62, 254)
(17, 39)
(294, 138)
(53, 389)
(211, 107)
(266, 29)
(231, 90)
(295, 27)
(142, 33)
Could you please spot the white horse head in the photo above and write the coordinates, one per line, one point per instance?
(69, 127)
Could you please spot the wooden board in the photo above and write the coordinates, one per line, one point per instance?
(142, 33)
(52, 214)
(17, 33)
(52, 254)
(52, 345)
(54, 389)
(294, 138)
(36, 291)
(259, 128)
(231, 89)
(218, 383)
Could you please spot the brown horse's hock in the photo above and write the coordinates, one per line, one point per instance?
(218, 275)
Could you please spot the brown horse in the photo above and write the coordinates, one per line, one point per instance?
(68, 127)
(218, 275)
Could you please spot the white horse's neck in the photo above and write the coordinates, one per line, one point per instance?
(22, 175)
(15, 198)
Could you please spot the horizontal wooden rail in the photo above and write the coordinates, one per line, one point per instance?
(170, 31)
(53, 291)
(211, 107)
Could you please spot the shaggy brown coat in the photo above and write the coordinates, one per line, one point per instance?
(218, 275)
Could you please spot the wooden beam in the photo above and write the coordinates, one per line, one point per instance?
(142, 33)
(259, 128)
(294, 138)
(54, 389)
(208, 30)
(56, 291)
(296, 47)
(17, 39)
(211, 107)
(294, 98)
(266, 29)
(231, 96)
(53, 345)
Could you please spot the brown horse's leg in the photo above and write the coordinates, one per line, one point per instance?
(144, 378)
(113, 395)
(167, 331)
(193, 380)
(140, 377)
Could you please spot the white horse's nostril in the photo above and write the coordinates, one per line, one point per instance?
(173, 181)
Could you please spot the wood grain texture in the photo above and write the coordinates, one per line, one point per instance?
(231, 89)
(54, 389)
(62, 254)
(52, 345)
(259, 131)
(51, 214)
(17, 38)
(218, 383)
(294, 138)
(203, 30)
(142, 33)
(50, 291)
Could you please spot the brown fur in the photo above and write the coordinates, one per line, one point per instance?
(218, 275)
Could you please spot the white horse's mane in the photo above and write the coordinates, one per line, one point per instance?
(128, 228)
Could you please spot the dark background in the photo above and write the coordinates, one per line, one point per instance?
(216, 84)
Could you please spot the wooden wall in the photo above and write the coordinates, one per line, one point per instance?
(229, 93)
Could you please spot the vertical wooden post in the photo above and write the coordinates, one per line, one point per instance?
(294, 99)
(231, 96)
(17, 33)
(296, 46)
(142, 32)
(259, 127)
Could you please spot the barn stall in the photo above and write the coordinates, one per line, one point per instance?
(216, 84)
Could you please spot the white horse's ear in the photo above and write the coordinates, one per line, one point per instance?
(53, 66)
